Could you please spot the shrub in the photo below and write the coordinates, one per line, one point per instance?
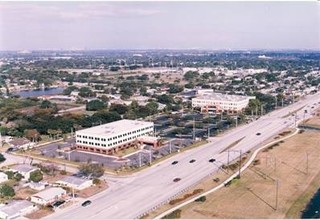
(2, 158)
(173, 215)
(36, 176)
(17, 177)
(201, 199)
(96, 181)
(63, 172)
(6, 191)
(10, 174)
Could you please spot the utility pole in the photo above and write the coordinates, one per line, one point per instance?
(307, 163)
(170, 147)
(208, 131)
(193, 137)
(139, 159)
(277, 193)
(240, 163)
(236, 121)
(276, 101)
(256, 111)
(228, 158)
(150, 155)
(261, 110)
(282, 102)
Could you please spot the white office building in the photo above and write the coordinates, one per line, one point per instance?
(218, 103)
(118, 135)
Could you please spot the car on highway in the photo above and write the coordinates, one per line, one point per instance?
(192, 161)
(86, 203)
(258, 133)
(174, 162)
(212, 160)
(176, 180)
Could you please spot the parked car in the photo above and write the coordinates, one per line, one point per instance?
(86, 203)
(212, 160)
(258, 133)
(192, 161)
(58, 203)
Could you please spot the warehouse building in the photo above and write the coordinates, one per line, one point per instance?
(208, 101)
(114, 136)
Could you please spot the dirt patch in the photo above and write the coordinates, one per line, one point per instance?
(24, 193)
(293, 165)
(40, 213)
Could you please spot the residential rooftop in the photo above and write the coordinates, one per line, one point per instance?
(50, 193)
(73, 180)
(116, 127)
(23, 168)
(15, 206)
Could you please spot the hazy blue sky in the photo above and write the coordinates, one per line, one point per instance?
(142, 25)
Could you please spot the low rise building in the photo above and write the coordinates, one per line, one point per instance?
(24, 170)
(16, 209)
(48, 196)
(75, 182)
(21, 143)
(108, 138)
(216, 102)
(3, 177)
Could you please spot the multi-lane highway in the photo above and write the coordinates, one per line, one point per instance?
(129, 197)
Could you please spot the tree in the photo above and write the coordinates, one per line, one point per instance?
(95, 170)
(32, 134)
(120, 109)
(2, 158)
(95, 105)
(6, 191)
(17, 177)
(85, 92)
(10, 174)
(36, 176)
(46, 104)
(96, 181)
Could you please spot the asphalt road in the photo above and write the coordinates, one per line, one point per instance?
(130, 197)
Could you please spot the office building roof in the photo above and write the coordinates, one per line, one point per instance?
(116, 127)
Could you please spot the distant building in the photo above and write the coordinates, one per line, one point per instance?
(48, 196)
(16, 209)
(75, 182)
(24, 170)
(21, 143)
(3, 177)
(109, 138)
(216, 102)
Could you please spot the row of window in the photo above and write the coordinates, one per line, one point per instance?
(111, 144)
(116, 137)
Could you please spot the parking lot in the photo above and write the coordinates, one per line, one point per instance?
(176, 130)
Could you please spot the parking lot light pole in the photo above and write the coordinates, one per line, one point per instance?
(139, 159)
(150, 155)
(170, 147)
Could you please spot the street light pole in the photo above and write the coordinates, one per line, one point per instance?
(170, 147)
(240, 163)
(139, 159)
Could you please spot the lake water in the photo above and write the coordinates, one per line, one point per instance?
(35, 93)
(313, 208)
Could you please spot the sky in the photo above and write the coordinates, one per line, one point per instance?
(159, 25)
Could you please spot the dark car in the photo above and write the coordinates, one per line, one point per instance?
(10, 149)
(192, 161)
(212, 160)
(174, 162)
(58, 203)
(258, 133)
(176, 180)
(86, 203)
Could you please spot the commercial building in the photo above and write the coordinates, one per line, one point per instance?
(48, 196)
(114, 136)
(208, 101)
